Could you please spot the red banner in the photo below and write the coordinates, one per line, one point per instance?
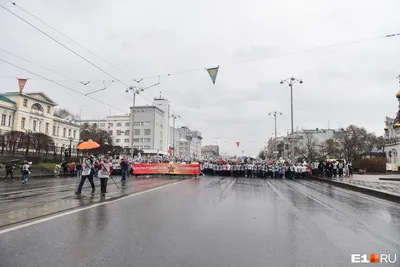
(165, 168)
(21, 84)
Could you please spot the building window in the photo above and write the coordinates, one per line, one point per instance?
(48, 109)
(74, 134)
(117, 141)
(119, 124)
(137, 123)
(9, 120)
(3, 119)
(136, 132)
(126, 140)
(110, 132)
(146, 140)
(146, 122)
(102, 125)
(46, 129)
(136, 140)
(146, 147)
(127, 132)
(147, 131)
(58, 130)
(118, 132)
(127, 124)
(65, 132)
(23, 123)
(110, 124)
(25, 102)
(54, 130)
(34, 126)
(69, 132)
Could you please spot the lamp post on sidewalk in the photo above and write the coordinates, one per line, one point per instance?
(275, 113)
(174, 117)
(70, 145)
(291, 81)
(134, 91)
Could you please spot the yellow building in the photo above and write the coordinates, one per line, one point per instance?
(34, 112)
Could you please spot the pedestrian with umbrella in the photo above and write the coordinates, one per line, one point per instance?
(87, 173)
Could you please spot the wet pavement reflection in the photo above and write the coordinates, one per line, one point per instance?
(214, 222)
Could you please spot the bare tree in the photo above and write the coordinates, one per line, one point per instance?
(310, 149)
(64, 113)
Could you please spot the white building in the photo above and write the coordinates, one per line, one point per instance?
(148, 129)
(164, 105)
(293, 144)
(392, 136)
(190, 143)
(34, 112)
(117, 126)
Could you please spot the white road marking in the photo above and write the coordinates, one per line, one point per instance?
(85, 208)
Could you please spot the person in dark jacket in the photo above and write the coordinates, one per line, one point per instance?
(10, 170)
(124, 169)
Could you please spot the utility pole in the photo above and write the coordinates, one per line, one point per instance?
(134, 91)
(291, 81)
(174, 117)
(275, 113)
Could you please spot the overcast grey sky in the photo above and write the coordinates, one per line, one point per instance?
(343, 85)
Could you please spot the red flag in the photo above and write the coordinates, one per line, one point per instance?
(237, 144)
(170, 151)
(21, 83)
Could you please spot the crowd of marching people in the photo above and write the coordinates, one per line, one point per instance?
(256, 169)
(279, 169)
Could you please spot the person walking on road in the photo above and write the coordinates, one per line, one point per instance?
(25, 170)
(10, 170)
(124, 169)
(87, 173)
(105, 170)
(57, 169)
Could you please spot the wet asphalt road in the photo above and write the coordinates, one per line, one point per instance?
(214, 222)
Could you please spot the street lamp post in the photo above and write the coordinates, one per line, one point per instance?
(134, 91)
(174, 117)
(275, 113)
(28, 141)
(291, 81)
(70, 145)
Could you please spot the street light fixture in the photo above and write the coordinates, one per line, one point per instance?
(275, 113)
(135, 91)
(291, 81)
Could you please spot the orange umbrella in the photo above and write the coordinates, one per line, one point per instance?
(88, 145)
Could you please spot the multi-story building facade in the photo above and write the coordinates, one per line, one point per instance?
(189, 143)
(292, 145)
(34, 112)
(165, 105)
(148, 129)
(210, 150)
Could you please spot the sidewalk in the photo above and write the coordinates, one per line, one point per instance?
(369, 184)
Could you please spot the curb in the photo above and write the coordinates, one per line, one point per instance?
(361, 189)
(390, 179)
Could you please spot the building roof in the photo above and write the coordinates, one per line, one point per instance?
(39, 96)
(6, 99)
